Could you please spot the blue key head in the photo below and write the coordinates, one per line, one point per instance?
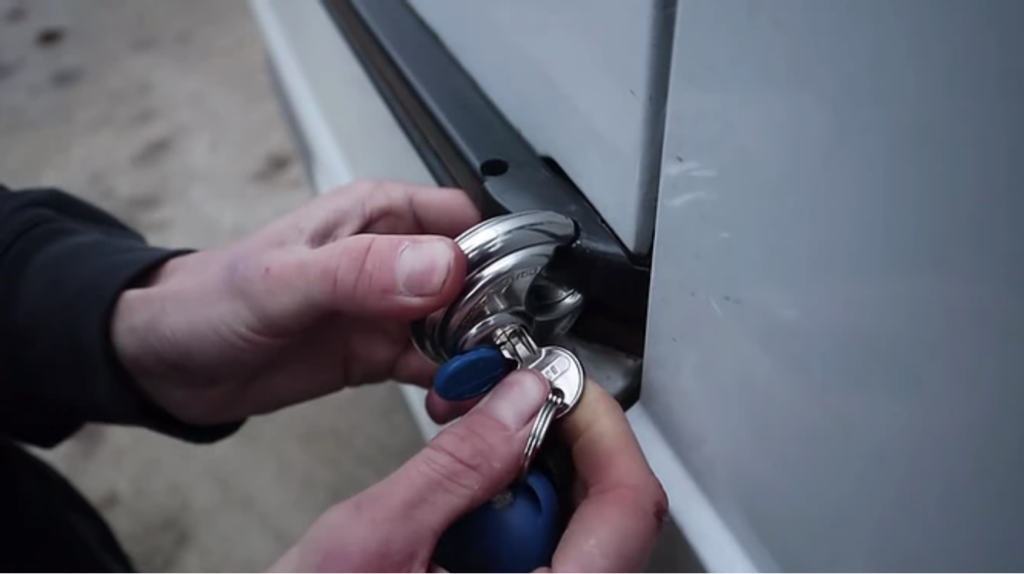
(517, 531)
(471, 374)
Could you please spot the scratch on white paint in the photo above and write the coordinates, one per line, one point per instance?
(684, 198)
(715, 306)
(725, 235)
(679, 167)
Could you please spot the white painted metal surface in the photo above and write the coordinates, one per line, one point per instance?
(583, 81)
(705, 531)
(837, 308)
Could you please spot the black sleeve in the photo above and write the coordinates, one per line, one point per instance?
(63, 264)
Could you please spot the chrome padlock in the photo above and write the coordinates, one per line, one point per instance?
(504, 286)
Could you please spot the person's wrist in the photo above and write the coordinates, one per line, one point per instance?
(142, 335)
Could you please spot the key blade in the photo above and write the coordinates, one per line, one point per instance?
(564, 371)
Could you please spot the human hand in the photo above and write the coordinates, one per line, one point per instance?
(318, 300)
(394, 526)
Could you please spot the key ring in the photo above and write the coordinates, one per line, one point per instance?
(540, 428)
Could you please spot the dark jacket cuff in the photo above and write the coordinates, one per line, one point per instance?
(66, 264)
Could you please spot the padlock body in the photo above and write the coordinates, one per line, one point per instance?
(506, 256)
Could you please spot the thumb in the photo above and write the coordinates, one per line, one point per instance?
(467, 464)
(394, 525)
(397, 276)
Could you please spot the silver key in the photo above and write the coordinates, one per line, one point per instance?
(565, 373)
(559, 366)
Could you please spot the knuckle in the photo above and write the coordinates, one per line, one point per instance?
(371, 191)
(379, 202)
(659, 500)
(646, 497)
(646, 494)
(363, 186)
(650, 496)
(367, 263)
(352, 273)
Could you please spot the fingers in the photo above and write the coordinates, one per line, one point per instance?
(623, 508)
(413, 368)
(392, 276)
(403, 208)
(318, 259)
(390, 208)
(394, 525)
(361, 265)
(465, 465)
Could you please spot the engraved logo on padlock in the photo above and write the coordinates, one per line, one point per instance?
(481, 307)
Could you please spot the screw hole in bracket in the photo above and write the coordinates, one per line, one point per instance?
(494, 167)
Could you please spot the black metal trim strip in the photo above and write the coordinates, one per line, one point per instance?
(467, 143)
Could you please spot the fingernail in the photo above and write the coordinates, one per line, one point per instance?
(423, 267)
(517, 399)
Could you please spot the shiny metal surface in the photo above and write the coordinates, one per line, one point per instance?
(540, 427)
(516, 344)
(503, 235)
(505, 256)
(560, 366)
(554, 308)
(564, 371)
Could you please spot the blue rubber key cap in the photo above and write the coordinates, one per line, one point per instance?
(517, 531)
(471, 374)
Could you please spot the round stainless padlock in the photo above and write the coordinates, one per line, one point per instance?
(504, 286)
